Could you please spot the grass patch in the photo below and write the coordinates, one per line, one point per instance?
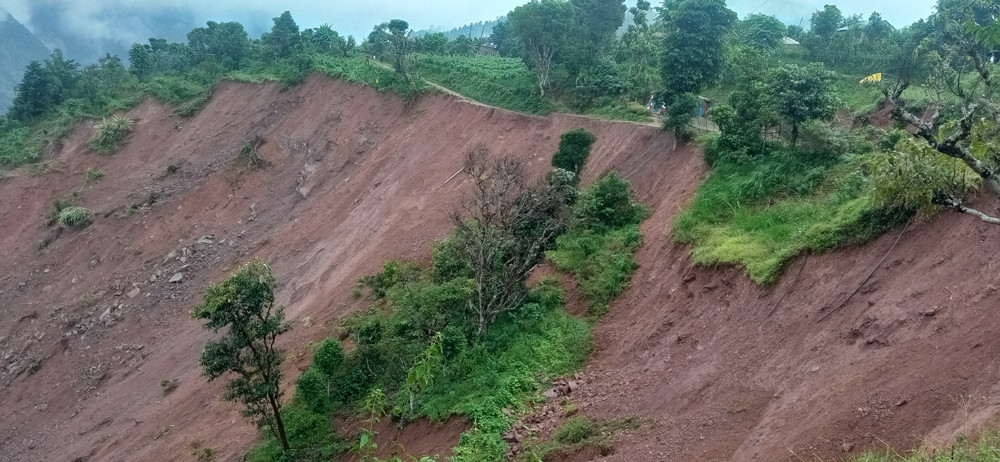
(579, 433)
(984, 449)
(760, 212)
(501, 82)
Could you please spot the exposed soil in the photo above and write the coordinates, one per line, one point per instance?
(90, 324)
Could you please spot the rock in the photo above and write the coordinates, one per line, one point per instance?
(176, 278)
(133, 293)
(41, 407)
(551, 393)
(104, 316)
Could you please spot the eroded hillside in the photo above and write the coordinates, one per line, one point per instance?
(724, 369)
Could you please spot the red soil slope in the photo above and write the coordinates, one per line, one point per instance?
(90, 325)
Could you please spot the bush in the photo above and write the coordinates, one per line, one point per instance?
(75, 216)
(393, 273)
(329, 356)
(574, 148)
(110, 134)
(608, 204)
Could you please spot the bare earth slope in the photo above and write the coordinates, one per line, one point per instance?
(90, 324)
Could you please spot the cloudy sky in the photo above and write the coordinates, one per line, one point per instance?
(92, 18)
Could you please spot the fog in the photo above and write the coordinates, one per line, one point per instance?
(85, 24)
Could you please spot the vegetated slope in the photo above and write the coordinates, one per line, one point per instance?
(92, 324)
(356, 177)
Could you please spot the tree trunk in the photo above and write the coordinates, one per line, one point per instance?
(278, 422)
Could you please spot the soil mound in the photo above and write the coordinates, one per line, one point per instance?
(98, 354)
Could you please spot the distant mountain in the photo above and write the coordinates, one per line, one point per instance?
(19, 48)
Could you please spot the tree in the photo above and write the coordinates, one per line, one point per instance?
(502, 231)
(877, 28)
(825, 22)
(679, 116)
(762, 32)
(283, 40)
(596, 24)
(638, 48)
(574, 149)
(433, 44)
(965, 121)
(244, 304)
(693, 47)
(44, 86)
(226, 43)
(504, 39)
(141, 61)
(544, 28)
(803, 93)
(392, 38)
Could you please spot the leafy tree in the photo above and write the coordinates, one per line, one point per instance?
(284, 37)
(244, 304)
(693, 47)
(433, 44)
(679, 116)
(392, 39)
(803, 93)
(142, 63)
(762, 32)
(99, 82)
(825, 22)
(596, 24)
(44, 86)
(877, 28)
(574, 149)
(226, 43)
(966, 122)
(638, 47)
(504, 39)
(462, 46)
(544, 29)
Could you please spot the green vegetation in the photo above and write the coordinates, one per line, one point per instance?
(426, 348)
(576, 434)
(497, 81)
(574, 149)
(599, 248)
(244, 306)
(986, 448)
(75, 217)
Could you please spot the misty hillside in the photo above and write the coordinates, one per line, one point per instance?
(19, 48)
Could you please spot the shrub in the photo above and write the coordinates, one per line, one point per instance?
(329, 356)
(393, 273)
(110, 134)
(76, 216)
(574, 148)
(607, 204)
(192, 107)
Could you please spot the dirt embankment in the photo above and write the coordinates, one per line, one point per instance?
(90, 323)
